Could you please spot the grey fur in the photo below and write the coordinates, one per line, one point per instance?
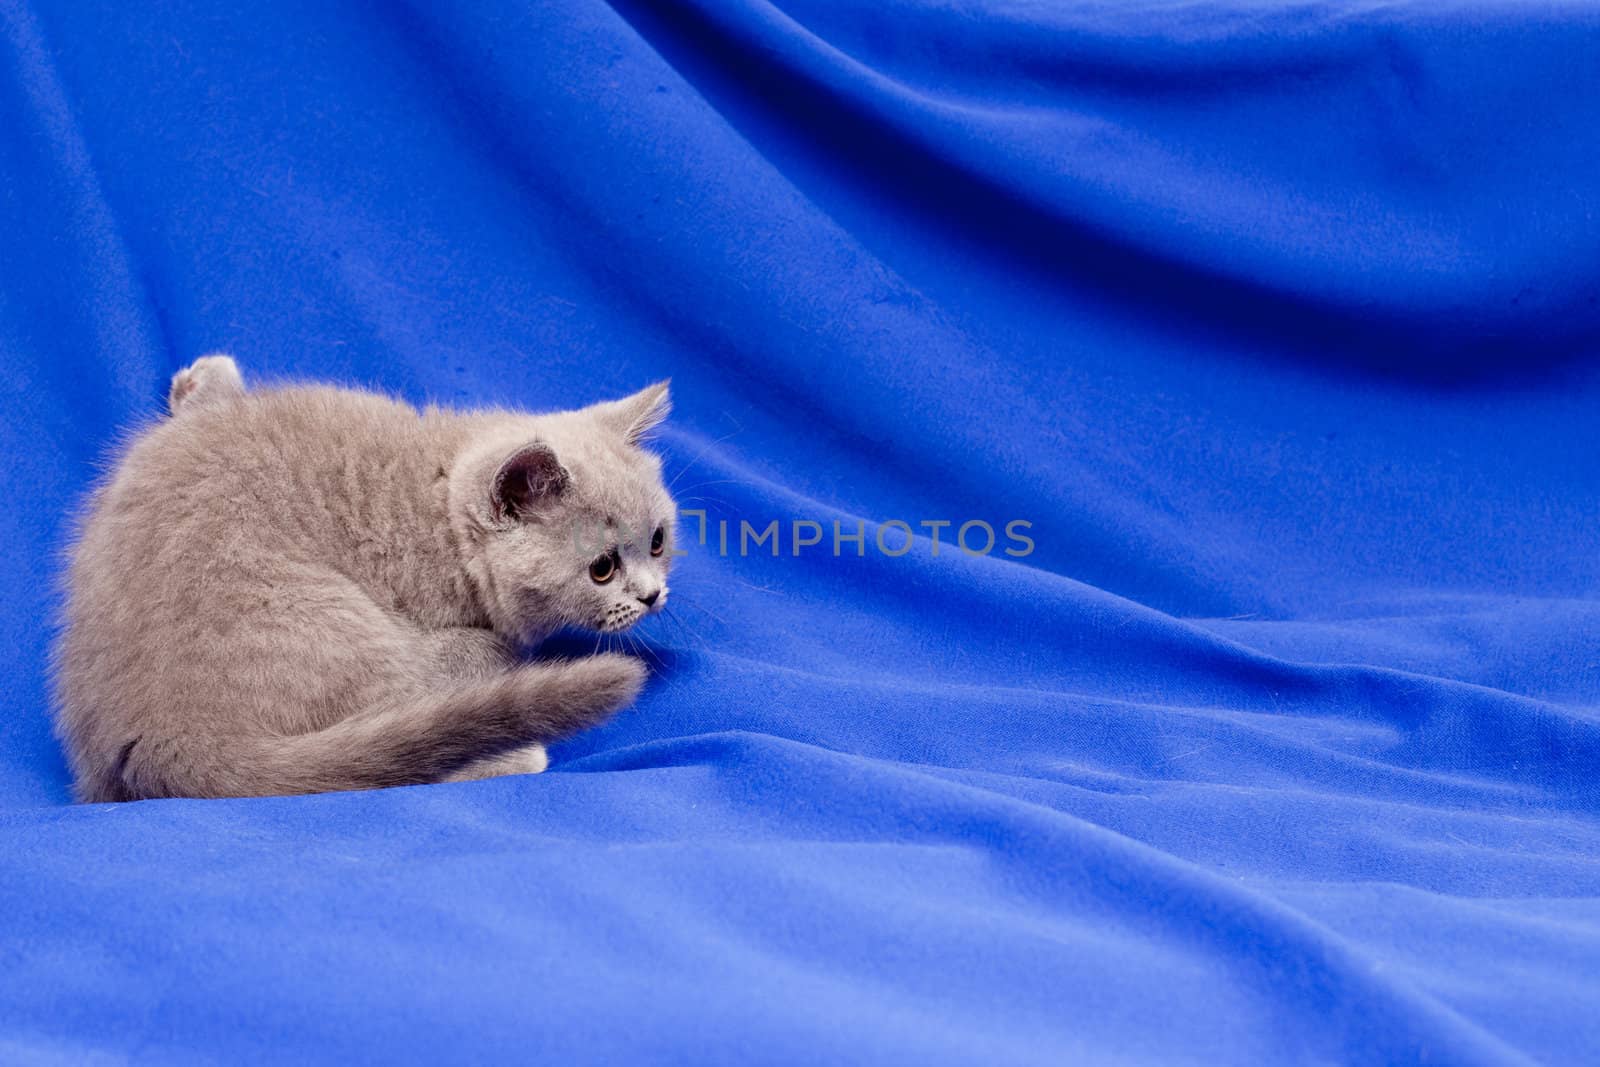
(301, 589)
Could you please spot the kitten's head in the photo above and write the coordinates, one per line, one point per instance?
(564, 518)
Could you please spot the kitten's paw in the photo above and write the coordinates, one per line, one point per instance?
(609, 681)
(530, 760)
(205, 381)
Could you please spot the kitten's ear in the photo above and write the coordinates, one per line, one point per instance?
(529, 475)
(635, 416)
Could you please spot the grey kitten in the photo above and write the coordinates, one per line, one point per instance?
(303, 589)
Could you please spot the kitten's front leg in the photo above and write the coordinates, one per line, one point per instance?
(469, 652)
(609, 680)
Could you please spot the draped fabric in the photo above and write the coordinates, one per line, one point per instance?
(1260, 338)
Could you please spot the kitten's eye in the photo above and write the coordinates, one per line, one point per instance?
(602, 569)
(658, 541)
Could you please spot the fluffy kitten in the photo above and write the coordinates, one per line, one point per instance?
(305, 589)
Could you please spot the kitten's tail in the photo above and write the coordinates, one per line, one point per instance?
(422, 740)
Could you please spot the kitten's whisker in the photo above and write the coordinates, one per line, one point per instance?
(696, 640)
(683, 628)
(640, 650)
(708, 485)
(644, 643)
(712, 501)
(702, 608)
(701, 454)
(757, 588)
(666, 616)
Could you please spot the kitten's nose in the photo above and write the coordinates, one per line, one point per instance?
(650, 601)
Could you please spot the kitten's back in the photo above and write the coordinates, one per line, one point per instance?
(228, 559)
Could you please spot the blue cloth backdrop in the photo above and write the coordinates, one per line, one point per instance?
(1278, 323)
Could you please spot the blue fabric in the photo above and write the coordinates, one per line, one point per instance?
(1277, 323)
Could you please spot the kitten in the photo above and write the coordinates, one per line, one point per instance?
(304, 589)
